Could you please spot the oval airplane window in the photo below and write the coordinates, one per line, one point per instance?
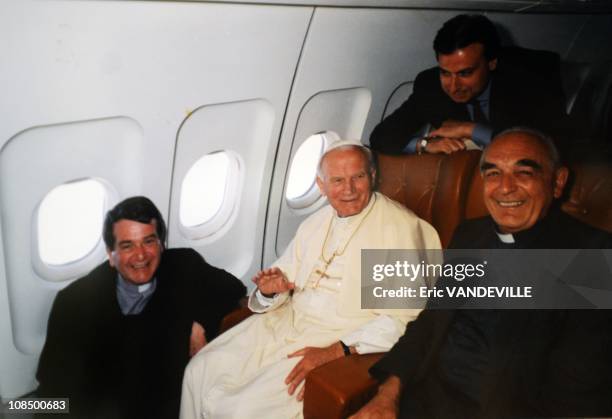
(209, 193)
(301, 188)
(69, 221)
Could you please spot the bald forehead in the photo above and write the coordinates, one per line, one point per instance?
(521, 149)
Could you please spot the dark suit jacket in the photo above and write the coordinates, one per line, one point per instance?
(549, 362)
(519, 97)
(116, 366)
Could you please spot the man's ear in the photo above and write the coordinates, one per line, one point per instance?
(493, 64)
(109, 252)
(320, 185)
(559, 181)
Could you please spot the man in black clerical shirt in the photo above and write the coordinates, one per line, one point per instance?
(477, 90)
(506, 363)
(118, 339)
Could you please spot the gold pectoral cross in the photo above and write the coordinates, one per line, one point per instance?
(323, 273)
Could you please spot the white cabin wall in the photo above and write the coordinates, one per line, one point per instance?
(154, 63)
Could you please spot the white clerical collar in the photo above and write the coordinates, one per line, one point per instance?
(505, 238)
(133, 288)
(142, 288)
(351, 218)
(133, 298)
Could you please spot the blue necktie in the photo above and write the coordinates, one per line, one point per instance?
(478, 115)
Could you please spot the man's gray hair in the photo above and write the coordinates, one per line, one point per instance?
(545, 140)
(348, 145)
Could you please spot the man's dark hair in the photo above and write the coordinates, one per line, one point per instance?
(136, 208)
(464, 30)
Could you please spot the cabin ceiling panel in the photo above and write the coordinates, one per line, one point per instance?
(585, 6)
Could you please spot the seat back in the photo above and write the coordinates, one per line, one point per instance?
(590, 99)
(411, 180)
(589, 196)
(450, 199)
(475, 206)
(445, 190)
(434, 186)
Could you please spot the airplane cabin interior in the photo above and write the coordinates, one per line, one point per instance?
(218, 112)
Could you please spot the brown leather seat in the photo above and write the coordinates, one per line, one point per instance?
(451, 198)
(590, 195)
(474, 204)
(434, 186)
(411, 180)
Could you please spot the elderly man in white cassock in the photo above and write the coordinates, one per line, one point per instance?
(310, 300)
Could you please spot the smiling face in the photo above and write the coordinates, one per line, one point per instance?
(519, 181)
(465, 72)
(346, 181)
(137, 250)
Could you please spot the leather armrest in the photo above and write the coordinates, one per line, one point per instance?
(234, 317)
(334, 390)
(339, 388)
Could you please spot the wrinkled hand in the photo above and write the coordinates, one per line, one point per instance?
(444, 145)
(312, 358)
(384, 404)
(272, 281)
(197, 340)
(454, 129)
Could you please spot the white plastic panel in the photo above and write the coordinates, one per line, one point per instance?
(213, 128)
(399, 96)
(155, 62)
(474, 5)
(341, 111)
(43, 158)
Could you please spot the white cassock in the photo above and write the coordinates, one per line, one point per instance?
(241, 373)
